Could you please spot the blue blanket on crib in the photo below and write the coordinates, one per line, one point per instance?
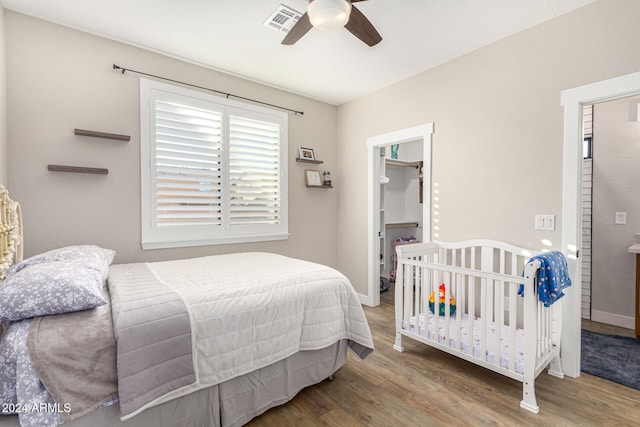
(554, 277)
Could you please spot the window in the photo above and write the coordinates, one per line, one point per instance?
(587, 148)
(213, 169)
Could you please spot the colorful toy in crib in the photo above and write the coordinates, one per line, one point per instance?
(442, 292)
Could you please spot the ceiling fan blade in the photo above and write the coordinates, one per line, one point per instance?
(362, 28)
(296, 32)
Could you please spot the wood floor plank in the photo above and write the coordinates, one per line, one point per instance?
(423, 386)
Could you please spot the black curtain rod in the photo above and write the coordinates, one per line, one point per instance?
(116, 67)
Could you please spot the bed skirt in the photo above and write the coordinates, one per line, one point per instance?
(232, 403)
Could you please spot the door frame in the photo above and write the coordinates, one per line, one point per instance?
(573, 101)
(422, 132)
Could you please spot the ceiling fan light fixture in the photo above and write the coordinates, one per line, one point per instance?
(329, 14)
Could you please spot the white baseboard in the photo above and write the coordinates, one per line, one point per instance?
(365, 299)
(613, 319)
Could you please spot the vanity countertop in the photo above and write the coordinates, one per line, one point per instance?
(635, 248)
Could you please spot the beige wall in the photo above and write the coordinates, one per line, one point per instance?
(497, 148)
(3, 102)
(616, 188)
(498, 140)
(60, 79)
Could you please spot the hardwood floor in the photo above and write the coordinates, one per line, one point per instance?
(607, 329)
(426, 387)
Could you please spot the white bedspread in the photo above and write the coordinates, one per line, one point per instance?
(250, 310)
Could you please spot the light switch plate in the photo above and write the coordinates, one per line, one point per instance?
(621, 217)
(545, 222)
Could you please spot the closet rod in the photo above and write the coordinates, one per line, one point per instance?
(401, 224)
(403, 164)
(227, 95)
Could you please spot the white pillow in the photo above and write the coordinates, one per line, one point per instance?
(90, 256)
(50, 288)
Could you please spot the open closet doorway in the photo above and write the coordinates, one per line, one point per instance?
(610, 203)
(399, 186)
(573, 101)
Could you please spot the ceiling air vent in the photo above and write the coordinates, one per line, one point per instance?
(283, 18)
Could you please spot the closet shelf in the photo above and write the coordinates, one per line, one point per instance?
(78, 169)
(105, 135)
(402, 224)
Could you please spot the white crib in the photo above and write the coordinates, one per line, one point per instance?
(514, 336)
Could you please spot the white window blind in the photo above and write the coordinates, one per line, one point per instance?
(188, 165)
(213, 170)
(254, 165)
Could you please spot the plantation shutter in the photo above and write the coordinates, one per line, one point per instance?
(254, 171)
(188, 151)
(213, 170)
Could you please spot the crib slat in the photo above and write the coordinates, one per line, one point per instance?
(459, 291)
(460, 297)
(436, 318)
(471, 283)
(547, 331)
(513, 312)
(447, 305)
(483, 317)
(415, 297)
(424, 297)
(499, 319)
(540, 344)
(408, 291)
(428, 284)
(450, 290)
(487, 265)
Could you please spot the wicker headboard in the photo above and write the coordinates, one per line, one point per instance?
(10, 232)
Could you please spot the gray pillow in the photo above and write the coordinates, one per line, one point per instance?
(50, 288)
(90, 256)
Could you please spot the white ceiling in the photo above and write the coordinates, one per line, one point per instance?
(335, 67)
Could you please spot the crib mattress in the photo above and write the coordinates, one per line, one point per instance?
(477, 334)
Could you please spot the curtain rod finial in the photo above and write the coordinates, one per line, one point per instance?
(116, 67)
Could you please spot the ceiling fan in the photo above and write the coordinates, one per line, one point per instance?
(334, 14)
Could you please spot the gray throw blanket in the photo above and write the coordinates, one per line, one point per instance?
(74, 355)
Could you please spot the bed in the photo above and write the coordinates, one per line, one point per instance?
(210, 341)
(484, 301)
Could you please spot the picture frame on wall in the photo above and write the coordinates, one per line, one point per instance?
(313, 178)
(306, 153)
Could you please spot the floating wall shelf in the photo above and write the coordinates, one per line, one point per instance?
(105, 135)
(317, 162)
(319, 186)
(77, 169)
